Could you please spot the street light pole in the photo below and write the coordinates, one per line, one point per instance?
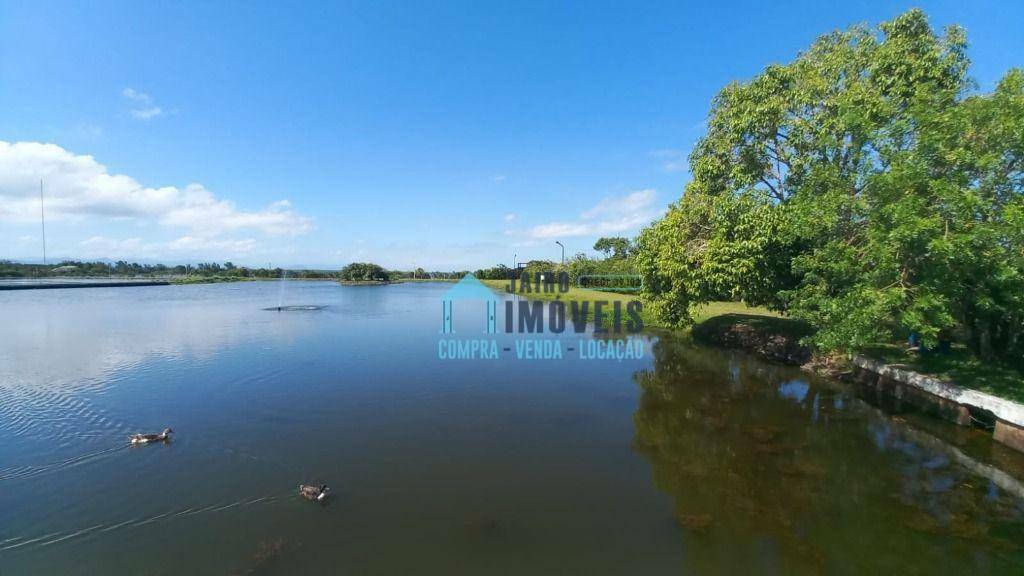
(42, 218)
(563, 251)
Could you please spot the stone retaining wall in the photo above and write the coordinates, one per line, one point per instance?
(945, 399)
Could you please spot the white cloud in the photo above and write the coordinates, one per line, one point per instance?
(206, 245)
(609, 216)
(144, 108)
(103, 247)
(672, 160)
(200, 211)
(511, 216)
(88, 131)
(426, 254)
(499, 178)
(632, 203)
(102, 242)
(182, 247)
(147, 113)
(132, 94)
(77, 187)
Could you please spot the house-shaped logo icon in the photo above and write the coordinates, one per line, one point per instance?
(469, 288)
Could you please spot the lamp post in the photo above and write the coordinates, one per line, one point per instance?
(42, 218)
(563, 251)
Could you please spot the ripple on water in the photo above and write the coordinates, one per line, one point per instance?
(29, 471)
(51, 538)
(52, 415)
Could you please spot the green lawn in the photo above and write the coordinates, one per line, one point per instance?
(575, 294)
(959, 366)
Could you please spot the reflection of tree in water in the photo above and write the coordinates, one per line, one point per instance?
(717, 449)
(768, 470)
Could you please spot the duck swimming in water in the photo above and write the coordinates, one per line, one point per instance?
(314, 493)
(148, 438)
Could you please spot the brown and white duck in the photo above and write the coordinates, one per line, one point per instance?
(314, 493)
(149, 438)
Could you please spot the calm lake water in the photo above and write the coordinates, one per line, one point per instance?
(690, 460)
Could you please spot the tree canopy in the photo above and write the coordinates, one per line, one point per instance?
(614, 247)
(364, 272)
(863, 188)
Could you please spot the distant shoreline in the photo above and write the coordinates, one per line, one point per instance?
(364, 282)
(396, 281)
(86, 284)
(44, 282)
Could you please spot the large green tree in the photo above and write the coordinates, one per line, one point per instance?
(363, 271)
(860, 188)
(614, 246)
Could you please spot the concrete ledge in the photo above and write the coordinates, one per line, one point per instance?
(1010, 435)
(1003, 409)
(951, 401)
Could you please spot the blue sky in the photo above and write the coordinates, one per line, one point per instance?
(445, 135)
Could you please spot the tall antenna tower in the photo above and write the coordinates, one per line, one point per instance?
(42, 218)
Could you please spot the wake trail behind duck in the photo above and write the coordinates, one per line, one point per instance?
(21, 542)
(21, 472)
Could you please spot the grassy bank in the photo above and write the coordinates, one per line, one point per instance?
(958, 366)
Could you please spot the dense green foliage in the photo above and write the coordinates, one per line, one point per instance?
(364, 272)
(499, 272)
(614, 247)
(618, 262)
(619, 268)
(580, 265)
(862, 188)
